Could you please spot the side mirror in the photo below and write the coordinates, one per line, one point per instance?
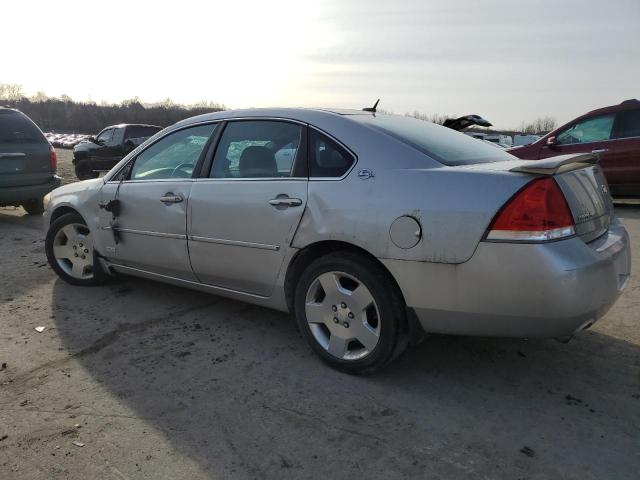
(552, 142)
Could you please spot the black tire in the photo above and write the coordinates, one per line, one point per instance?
(98, 275)
(84, 170)
(34, 206)
(386, 295)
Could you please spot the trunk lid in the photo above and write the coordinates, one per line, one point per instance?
(584, 187)
(582, 182)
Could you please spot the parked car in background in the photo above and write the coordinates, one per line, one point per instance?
(524, 139)
(499, 138)
(100, 153)
(371, 229)
(613, 133)
(27, 162)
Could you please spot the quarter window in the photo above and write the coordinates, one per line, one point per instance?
(175, 156)
(257, 149)
(594, 129)
(328, 159)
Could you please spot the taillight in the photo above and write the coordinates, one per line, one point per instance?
(53, 159)
(537, 213)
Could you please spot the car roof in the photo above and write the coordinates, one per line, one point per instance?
(302, 114)
(625, 105)
(121, 125)
(6, 110)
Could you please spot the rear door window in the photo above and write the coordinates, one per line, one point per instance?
(16, 127)
(596, 129)
(137, 131)
(257, 149)
(628, 124)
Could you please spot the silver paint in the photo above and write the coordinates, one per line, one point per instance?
(227, 236)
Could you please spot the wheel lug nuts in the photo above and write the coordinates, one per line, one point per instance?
(350, 314)
(346, 324)
(334, 308)
(343, 305)
(335, 320)
(86, 251)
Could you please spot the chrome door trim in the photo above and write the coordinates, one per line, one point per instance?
(148, 233)
(254, 179)
(236, 243)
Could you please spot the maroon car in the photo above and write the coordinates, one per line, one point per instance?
(612, 132)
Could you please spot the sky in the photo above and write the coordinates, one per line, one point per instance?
(509, 61)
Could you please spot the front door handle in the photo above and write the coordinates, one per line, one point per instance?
(170, 197)
(285, 201)
(600, 150)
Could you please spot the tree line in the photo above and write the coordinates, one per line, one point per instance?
(66, 115)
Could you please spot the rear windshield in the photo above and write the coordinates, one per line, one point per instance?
(17, 128)
(445, 145)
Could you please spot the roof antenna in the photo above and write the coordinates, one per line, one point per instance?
(372, 109)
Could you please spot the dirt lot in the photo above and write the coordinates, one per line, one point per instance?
(152, 381)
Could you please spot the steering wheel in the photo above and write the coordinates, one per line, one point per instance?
(179, 168)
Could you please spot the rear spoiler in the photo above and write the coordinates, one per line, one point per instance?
(559, 164)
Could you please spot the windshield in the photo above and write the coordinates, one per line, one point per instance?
(440, 143)
(17, 128)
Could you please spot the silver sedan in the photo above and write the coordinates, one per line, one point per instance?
(371, 229)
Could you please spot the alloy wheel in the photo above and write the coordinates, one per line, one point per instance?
(73, 251)
(342, 315)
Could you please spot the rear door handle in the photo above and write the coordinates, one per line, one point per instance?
(600, 150)
(170, 197)
(285, 201)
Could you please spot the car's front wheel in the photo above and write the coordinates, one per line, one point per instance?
(350, 312)
(69, 248)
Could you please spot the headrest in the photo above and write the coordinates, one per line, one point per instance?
(257, 162)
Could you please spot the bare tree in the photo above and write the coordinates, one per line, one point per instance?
(10, 91)
(540, 125)
(432, 117)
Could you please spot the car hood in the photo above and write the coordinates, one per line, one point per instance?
(84, 145)
(77, 187)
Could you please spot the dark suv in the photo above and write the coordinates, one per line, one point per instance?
(611, 132)
(27, 162)
(112, 144)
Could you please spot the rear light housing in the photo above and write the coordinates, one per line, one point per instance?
(537, 213)
(53, 159)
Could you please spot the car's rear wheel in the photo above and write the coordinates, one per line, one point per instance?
(84, 171)
(350, 312)
(34, 206)
(69, 248)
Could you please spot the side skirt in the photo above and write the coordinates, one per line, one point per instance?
(276, 301)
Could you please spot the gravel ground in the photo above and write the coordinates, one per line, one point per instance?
(138, 380)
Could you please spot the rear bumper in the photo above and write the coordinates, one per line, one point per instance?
(15, 195)
(519, 290)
